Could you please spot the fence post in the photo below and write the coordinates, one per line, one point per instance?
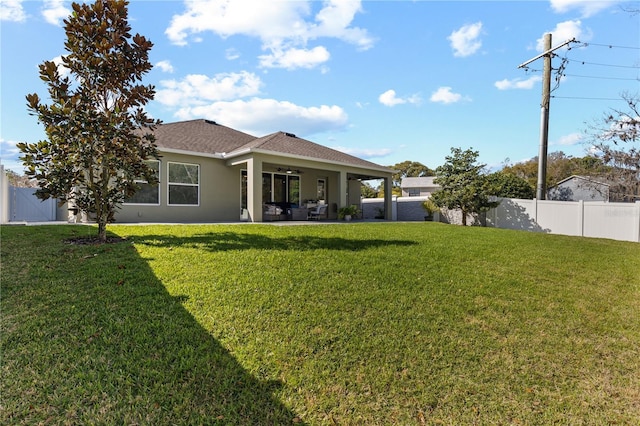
(494, 214)
(394, 207)
(581, 217)
(636, 224)
(4, 196)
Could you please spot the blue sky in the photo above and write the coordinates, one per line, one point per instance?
(388, 81)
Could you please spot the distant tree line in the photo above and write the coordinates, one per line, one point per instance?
(613, 143)
(518, 180)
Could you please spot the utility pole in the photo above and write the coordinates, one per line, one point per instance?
(541, 188)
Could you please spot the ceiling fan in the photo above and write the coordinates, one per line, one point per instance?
(289, 170)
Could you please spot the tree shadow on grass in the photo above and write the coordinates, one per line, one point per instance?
(91, 336)
(223, 241)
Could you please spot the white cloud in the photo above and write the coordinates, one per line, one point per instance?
(517, 83)
(11, 10)
(54, 12)
(9, 154)
(390, 99)
(569, 140)
(231, 54)
(295, 58)
(565, 31)
(198, 89)
(8, 148)
(281, 26)
(465, 41)
(334, 20)
(444, 95)
(226, 18)
(264, 116)
(585, 7)
(366, 153)
(165, 66)
(217, 98)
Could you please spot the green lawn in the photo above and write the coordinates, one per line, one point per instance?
(362, 323)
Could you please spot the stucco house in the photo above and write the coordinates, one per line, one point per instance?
(212, 173)
(579, 188)
(418, 186)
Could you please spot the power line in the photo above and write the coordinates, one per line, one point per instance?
(587, 98)
(601, 77)
(603, 65)
(610, 46)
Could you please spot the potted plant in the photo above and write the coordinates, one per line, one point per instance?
(430, 208)
(347, 212)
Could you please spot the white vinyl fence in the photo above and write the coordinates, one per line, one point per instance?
(24, 206)
(21, 204)
(617, 221)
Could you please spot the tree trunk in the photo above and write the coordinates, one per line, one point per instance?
(102, 208)
(464, 218)
(102, 229)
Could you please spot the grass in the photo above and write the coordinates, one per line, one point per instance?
(388, 323)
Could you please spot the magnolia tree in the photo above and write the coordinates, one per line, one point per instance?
(98, 135)
(464, 184)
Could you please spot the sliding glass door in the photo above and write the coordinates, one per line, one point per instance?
(280, 188)
(276, 188)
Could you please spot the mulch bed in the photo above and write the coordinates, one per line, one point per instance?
(93, 241)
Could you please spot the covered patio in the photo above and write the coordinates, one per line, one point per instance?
(291, 188)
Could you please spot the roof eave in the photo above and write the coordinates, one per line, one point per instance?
(219, 155)
(234, 154)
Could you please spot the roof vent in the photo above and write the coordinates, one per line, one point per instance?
(211, 122)
(291, 135)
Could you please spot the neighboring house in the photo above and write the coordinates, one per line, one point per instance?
(577, 188)
(212, 173)
(418, 186)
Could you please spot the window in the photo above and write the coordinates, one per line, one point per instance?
(184, 184)
(147, 193)
(279, 188)
(266, 187)
(413, 192)
(322, 190)
(243, 189)
(294, 189)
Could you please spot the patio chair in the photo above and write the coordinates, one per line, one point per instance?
(318, 212)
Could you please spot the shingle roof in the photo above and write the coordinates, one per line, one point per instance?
(290, 144)
(211, 138)
(199, 136)
(418, 182)
(585, 178)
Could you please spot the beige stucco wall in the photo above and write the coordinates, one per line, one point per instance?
(220, 188)
(220, 191)
(219, 195)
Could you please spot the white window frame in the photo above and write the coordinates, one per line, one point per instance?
(169, 184)
(141, 181)
(273, 183)
(321, 182)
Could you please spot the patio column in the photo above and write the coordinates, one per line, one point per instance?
(343, 188)
(388, 199)
(254, 189)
